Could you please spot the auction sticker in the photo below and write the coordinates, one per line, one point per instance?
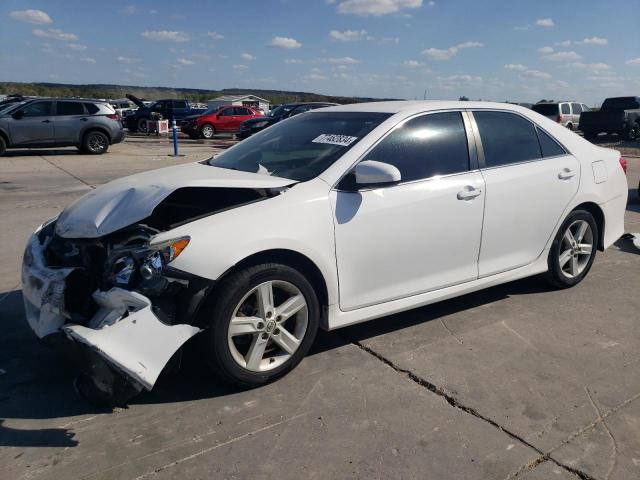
(333, 139)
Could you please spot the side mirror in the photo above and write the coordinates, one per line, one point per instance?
(18, 115)
(372, 172)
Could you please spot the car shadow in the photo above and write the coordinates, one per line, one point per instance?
(29, 152)
(633, 200)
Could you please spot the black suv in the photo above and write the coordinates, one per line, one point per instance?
(254, 125)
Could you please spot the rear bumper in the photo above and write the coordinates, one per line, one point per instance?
(118, 137)
(614, 211)
(124, 332)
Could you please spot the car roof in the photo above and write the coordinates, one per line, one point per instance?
(417, 106)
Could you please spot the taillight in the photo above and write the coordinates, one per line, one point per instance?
(113, 116)
(560, 118)
(623, 164)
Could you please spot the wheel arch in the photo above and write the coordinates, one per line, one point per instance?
(94, 128)
(293, 259)
(5, 137)
(595, 210)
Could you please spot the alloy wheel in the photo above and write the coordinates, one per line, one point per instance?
(268, 325)
(97, 143)
(207, 131)
(576, 248)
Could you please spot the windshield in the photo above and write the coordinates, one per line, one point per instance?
(547, 109)
(279, 111)
(7, 107)
(621, 103)
(300, 148)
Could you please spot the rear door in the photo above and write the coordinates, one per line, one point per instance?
(421, 234)
(69, 120)
(36, 125)
(530, 179)
(180, 109)
(242, 114)
(576, 110)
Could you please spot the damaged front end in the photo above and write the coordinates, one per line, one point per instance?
(115, 300)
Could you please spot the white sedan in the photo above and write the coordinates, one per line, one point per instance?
(331, 218)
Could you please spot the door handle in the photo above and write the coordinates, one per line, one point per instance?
(83, 119)
(566, 174)
(469, 193)
(46, 121)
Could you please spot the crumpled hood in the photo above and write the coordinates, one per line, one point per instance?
(127, 200)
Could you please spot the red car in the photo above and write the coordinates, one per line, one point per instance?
(225, 119)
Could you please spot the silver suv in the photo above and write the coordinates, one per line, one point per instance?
(48, 122)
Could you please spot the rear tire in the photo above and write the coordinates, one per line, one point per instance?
(95, 143)
(632, 132)
(3, 146)
(589, 135)
(573, 250)
(252, 352)
(142, 125)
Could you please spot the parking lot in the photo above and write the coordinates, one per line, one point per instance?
(517, 381)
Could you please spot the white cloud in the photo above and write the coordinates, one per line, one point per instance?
(240, 67)
(516, 66)
(347, 35)
(446, 54)
(634, 61)
(593, 41)
(293, 61)
(37, 17)
(88, 60)
(453, 82)
(545, 50)
(565, 43)
(126, 60)
(56, 34)
(76, 46)
(130, 10)
(376, 8)
(315, 75)
(248, 57)
(166, 36)
(431, 3)
(535, 74)
(343, 61)
(545, 22)
(562, 56)
(413, 64)
(185, 61)
(285, 42)
(590, 66)
(215, 35)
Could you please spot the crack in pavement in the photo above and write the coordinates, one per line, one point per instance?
(614, 452)
(67, 172)
(454, 402)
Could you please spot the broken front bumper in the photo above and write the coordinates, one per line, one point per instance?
(124, 331)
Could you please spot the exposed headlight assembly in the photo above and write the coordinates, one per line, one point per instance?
(161, 254)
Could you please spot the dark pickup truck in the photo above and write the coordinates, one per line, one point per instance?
(619, 115)
(169, 109)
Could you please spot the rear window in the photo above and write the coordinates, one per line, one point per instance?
(565, 109)
(546, 109)
(91, 108)
(624, 103)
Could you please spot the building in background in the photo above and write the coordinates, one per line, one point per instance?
(252, 101)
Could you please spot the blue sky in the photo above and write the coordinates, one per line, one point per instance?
(520, 50)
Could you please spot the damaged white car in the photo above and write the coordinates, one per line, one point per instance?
(327, 219)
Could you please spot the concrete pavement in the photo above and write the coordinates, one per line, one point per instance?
(518, 381)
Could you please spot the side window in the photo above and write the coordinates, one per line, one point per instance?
(564, 108)
(180, 104)
(91, 108)
(576, 108)
(69, 108)
(241, 111)
(227, 112)
(299, 110)
(550, 148)
(585, 108)
(506, 138)
(38, 109)
(425, 146)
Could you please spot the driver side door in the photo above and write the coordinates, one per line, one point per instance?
(421, 234)
(225, 120)
(35, 126)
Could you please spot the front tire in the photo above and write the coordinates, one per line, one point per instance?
(207, 131)
(142, 125)
(263, 322)
(95, 143)
(573, 250)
